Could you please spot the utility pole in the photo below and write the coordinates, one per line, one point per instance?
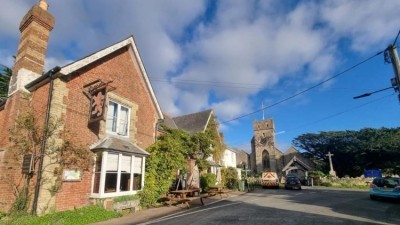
(394, 58)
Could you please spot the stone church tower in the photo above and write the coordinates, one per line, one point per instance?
(263, 156)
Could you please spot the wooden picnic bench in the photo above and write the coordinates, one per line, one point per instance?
(213, 191)
(181, 196)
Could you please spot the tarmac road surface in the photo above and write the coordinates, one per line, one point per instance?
(308, 206)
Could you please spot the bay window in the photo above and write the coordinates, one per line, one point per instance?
(117, 174)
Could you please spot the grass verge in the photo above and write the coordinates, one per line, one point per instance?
(82, 216)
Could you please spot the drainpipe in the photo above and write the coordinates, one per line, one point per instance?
(49, 74)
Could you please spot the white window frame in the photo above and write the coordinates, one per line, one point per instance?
(119, 106)
(102, 193)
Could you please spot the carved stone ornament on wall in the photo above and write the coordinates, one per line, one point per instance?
(262, 141)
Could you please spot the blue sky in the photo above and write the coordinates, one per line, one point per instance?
(236, 55)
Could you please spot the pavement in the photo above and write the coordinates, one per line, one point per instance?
(146, 215)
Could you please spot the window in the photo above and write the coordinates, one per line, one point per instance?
(117, 119)
(117, 173)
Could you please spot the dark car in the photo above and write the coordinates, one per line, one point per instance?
(292, 182)
(388, 187)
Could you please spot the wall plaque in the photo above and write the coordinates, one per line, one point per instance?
(72, 175)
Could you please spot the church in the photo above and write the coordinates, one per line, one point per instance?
(265, 156)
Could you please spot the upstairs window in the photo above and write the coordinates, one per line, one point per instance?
(117, 119)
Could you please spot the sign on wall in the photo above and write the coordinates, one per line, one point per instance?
(97, 104)
(72, 175)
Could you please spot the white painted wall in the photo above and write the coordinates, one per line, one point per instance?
(229, 158)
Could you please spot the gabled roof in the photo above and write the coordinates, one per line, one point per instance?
(118, 144)
(297, 160)
(234, 150)
(291, 149)
(238, 150)
(169, 122)
(195, 122)
(74, 66)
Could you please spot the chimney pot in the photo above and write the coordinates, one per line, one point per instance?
(43, 4)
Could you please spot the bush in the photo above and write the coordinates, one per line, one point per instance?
(230, 178)
(326, 184)
(207, 180)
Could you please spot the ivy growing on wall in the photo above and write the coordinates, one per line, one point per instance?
(217, 139)
(26, 137)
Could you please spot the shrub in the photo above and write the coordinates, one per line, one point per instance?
(326, 184)
(207, 180)
(230, 178)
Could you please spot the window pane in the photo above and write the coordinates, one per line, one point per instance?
(137, 181)
(126, 163)
(126, 173)
(125, 181)
(112, 162)
(138, 165)
(112, 117)
(111, 182)
(123, 121)
(96, 183)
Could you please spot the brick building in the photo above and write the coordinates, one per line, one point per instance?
(103, 103)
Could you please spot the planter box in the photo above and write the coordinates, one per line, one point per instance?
(126, 205)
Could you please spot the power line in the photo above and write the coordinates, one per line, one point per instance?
(340, 113)
(237, 85)
(308, 89)
(209, 83)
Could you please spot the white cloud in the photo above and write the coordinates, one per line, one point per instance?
(246, 48)
(365, 23)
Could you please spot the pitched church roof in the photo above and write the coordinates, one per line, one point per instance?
(194, 122)
(69, 69)
(290, 150)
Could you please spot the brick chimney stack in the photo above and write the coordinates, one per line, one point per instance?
(35, 30)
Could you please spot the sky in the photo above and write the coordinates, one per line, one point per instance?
(298, 62)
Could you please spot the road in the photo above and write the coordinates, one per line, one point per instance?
(308, 206)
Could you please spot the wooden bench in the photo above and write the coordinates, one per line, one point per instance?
(175, 201)
(213, 192)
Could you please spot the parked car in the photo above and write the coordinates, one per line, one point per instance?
(388, 187)
(292, 182)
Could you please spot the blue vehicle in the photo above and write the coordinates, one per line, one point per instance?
(388, 187)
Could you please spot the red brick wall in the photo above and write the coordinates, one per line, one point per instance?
(119, 68)
(10, 168)
(125, 74)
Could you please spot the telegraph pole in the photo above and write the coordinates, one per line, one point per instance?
(394, 58)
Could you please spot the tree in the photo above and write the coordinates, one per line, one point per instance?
(168, 155)
(5, 76)
(353, 151)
